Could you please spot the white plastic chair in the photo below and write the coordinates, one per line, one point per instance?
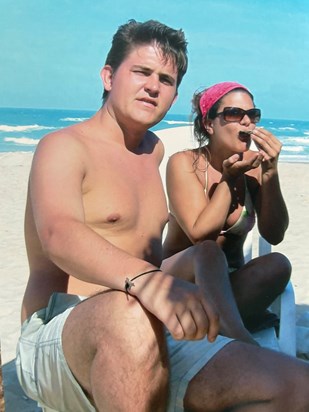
(283, 306)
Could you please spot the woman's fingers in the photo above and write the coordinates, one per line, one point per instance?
(266, 142)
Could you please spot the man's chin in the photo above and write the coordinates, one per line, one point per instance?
(149, 121)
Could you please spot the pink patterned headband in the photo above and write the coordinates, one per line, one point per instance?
(215, 92)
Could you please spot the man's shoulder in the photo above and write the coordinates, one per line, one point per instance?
(68, 134)
(53, 145)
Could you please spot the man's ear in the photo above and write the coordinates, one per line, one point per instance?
(107, 77)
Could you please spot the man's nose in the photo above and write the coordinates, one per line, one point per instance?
(152, 85)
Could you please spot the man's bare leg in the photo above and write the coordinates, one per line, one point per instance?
(242, 377)
(117, 353)
(205, 263)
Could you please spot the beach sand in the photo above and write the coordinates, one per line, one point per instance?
(14, 170)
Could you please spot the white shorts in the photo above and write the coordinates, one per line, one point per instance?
(46, 377)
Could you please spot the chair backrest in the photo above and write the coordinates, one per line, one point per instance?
(255, 245)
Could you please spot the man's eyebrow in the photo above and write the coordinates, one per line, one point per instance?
(168, 77)
(148, 70)
(141, 67)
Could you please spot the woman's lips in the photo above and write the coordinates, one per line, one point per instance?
(244, 136)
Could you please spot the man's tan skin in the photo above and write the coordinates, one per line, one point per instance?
(80, 243)
(95, 214)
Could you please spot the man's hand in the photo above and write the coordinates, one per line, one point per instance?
(179, 305)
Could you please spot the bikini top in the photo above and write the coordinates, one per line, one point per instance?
(246, 220)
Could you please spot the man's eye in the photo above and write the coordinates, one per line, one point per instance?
(141, 72)
(167, 80)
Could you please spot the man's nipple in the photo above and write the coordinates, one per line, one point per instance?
(112, 218)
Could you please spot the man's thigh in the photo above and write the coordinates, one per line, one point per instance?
(243, 374)
(41, 366)
(115, 329)
(187, 358)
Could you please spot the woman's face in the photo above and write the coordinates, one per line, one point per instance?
(230, 137)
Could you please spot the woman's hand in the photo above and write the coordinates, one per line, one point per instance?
(235, 165)
(269, 147)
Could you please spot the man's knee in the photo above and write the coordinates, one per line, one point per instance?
(114, 320)
(113, 333)
(146, 334)
(139, 347)
(123, 318)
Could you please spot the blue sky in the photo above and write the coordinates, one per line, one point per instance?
(52, 50)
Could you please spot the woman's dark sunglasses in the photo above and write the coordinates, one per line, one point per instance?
(236, 114)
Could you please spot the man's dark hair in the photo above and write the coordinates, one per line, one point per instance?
(171, 42)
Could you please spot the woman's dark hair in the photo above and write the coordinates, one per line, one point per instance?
(171, 42)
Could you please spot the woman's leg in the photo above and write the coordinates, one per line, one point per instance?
(258, 283)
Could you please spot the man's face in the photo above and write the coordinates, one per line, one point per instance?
(143, 88)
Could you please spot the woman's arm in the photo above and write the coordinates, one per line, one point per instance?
(273, 219)
(199, 217)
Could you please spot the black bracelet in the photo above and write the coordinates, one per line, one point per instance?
(129, 283)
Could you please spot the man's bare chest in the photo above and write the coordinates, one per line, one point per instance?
(122, 194)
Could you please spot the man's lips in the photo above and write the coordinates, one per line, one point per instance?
(149, 101)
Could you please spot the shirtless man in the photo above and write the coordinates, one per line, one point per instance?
(93, 336)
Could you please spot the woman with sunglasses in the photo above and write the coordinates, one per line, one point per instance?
(216, 192)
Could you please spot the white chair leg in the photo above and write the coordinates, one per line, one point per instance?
(287, 330)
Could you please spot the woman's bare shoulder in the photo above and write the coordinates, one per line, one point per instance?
(183, 156)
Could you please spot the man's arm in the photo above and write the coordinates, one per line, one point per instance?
(56, 181)
(56, 195)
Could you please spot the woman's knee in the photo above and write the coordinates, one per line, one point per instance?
(281, 262)
(208, 250)
(272, 271)
(281, 270)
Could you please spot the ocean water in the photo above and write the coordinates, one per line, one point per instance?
(21, 129)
